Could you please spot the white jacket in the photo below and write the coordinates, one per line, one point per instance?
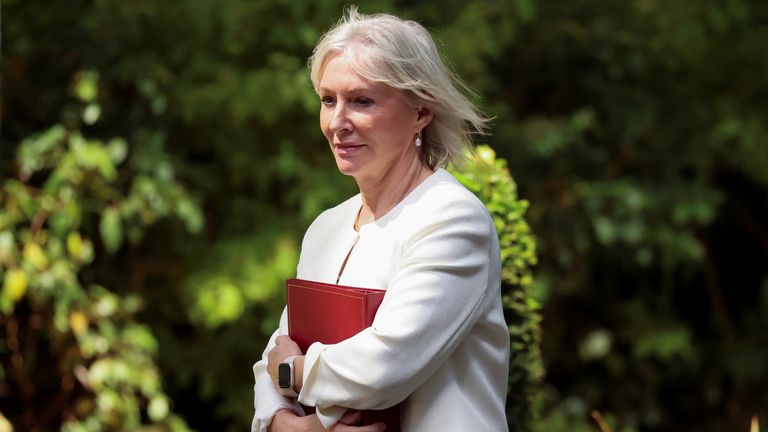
(439, 340)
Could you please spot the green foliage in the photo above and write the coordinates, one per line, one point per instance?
(630, 127)
(102, 373)
(237, 275)
(635, 130)
(489, 179)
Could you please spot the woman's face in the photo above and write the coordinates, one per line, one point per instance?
(370, 126)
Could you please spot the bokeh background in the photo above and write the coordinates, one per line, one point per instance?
(160, 161)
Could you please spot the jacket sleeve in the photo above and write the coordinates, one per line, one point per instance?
(267, 401)
(432, 303)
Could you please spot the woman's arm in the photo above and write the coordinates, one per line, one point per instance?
(285, 347)
(287, 421)
(267, 401)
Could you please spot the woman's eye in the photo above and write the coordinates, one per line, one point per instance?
(326, 100)
(363, 101)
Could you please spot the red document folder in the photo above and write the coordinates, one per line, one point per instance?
(326, 313)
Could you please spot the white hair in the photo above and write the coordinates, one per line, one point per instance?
(403, 55)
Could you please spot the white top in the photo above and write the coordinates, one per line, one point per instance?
(438, 341)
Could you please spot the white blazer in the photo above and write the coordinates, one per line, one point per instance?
(439, 341)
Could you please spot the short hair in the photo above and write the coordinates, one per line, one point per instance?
(402, 54)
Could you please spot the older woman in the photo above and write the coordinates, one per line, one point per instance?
(394, 118)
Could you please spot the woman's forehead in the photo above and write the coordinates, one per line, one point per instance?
(339, 73)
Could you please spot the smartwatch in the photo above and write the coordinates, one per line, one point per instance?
(285, 379)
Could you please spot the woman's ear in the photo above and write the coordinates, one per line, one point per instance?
(423, 117)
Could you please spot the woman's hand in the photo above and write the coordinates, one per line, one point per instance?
(284, 347)
(287, 421)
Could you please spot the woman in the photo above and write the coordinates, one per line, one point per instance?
(393, 117)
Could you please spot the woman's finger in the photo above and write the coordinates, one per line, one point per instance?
(351, 417)
(376, 427)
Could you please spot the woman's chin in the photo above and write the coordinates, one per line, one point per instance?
(346, 167)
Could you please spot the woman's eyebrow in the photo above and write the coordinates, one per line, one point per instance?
(352, 90)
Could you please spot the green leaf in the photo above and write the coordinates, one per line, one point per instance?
(117, 149)
(665, 343)
(190, 214)
(91, 113)
(33, 154)
(111, 229)
(158, 408)
(93, 155)
(596, 345)
(86, 86)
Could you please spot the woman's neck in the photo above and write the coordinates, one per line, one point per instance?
(380, 195)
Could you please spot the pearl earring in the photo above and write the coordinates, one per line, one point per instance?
(418, 140)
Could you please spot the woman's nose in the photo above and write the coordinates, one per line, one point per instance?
(340, 121)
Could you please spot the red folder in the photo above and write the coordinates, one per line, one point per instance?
(326, 313)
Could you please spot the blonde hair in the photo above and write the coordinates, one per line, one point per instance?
(402, 54)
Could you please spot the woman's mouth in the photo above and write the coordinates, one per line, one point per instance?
(348, 148)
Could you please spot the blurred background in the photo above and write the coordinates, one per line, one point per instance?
(161, 160)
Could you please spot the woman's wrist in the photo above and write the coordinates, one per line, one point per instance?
(298, 373)
(281, 420)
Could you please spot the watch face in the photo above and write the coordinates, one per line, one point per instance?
(284, 375)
